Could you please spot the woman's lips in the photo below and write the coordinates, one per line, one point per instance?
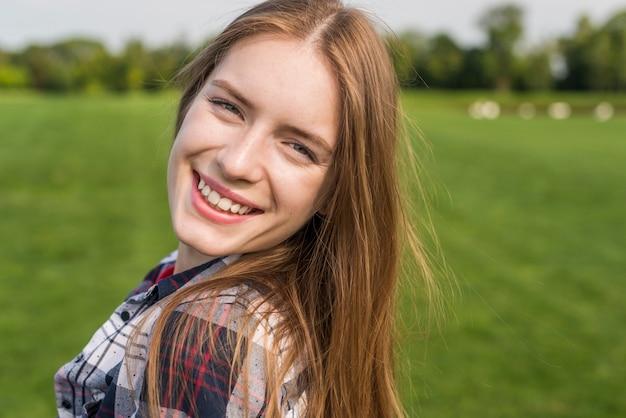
(219, 204)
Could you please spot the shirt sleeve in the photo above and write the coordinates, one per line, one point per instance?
(215, 386)
(203, 368)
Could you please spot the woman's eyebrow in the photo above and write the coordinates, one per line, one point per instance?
(317, 140)
(225, 85)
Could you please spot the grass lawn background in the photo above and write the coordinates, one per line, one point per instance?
(530, 215)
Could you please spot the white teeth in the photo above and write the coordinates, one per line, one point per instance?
(222, 203)
(213, 197)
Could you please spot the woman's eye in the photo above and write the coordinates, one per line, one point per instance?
(303, 150)
(226, 105)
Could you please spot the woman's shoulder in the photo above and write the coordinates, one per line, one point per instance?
(246, 308)
(269, 347)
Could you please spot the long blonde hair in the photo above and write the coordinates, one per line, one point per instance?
(334, 281)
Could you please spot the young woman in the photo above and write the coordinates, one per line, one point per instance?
(282, 184)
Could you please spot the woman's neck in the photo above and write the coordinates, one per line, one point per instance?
(189, 257)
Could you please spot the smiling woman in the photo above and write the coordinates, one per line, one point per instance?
(283, 192)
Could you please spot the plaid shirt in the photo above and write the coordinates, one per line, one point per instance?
(102, 382)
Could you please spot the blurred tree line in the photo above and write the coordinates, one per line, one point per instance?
(86, 65)
(592, 58)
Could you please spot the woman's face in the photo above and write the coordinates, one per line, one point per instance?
(247, 166)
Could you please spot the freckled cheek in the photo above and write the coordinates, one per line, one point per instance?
(199, 133)
(303, 195)
(194, 141)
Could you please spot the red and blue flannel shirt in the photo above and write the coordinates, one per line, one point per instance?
(107, 377)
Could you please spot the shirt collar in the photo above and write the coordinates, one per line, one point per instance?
(170, 284)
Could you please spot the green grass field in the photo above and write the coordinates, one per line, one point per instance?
(530, 216)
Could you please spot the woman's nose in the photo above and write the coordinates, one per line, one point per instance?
(241, 157)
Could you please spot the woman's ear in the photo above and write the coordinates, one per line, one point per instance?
(323, 206)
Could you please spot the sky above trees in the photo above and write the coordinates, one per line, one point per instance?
(162, 21)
